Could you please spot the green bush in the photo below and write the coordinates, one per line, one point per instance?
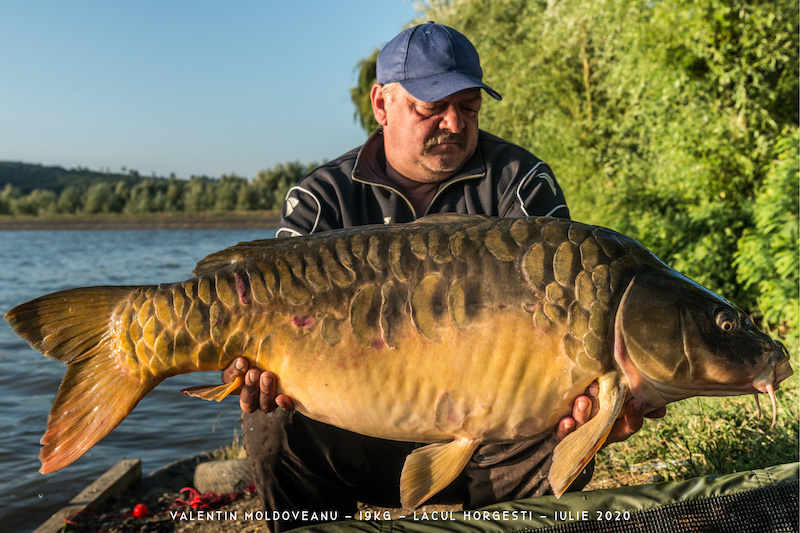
(660, 120)
(768, 254)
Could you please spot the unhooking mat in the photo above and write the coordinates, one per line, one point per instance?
(755, 501)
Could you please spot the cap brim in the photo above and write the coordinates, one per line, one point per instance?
(439, 87)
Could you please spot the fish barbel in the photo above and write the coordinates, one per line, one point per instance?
(456, 330)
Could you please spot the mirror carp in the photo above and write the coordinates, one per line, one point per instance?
(455, 330)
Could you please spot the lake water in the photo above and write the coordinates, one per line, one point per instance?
(164, 427)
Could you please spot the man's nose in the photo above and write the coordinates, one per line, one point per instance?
(451, 120)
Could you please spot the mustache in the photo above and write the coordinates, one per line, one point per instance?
(445, 137)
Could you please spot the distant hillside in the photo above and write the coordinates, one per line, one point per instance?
(27, 177)
(37, 190)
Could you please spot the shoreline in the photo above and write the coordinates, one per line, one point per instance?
(261, 219)
(164, 494)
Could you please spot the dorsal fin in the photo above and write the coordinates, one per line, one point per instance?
(241, 251)
(230, 255)
(450, 218)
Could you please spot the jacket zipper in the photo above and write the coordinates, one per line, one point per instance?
(435, 196)
(447, 186)
(390, 188)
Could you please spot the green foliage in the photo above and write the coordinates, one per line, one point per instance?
(660, 119)
(146, 197)
(227, 192)
(137, 195)
(173, 194)
(768, 254)
(100, 198)
(27, 177)
(70, 200)
(234, 450)
(274, 184)
(38, 202)
(360, 93)
(8, 196)
(198, 195)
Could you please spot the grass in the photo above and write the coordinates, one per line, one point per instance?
(705, 436)
(234, 450)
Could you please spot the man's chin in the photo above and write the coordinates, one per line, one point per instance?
(442, 172)
(449, 161)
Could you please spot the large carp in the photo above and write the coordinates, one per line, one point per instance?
(456, 330)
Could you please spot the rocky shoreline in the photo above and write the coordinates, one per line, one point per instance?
(165, 504)
(174, 502)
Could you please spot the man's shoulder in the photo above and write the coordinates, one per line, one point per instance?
(505, 158)
(342, 164)
(312, 203)
(493, 145)
(334, 175)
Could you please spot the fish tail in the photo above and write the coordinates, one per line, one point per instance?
(97, 392)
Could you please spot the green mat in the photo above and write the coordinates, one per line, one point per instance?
(756, 501)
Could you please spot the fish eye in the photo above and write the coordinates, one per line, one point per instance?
(727, 321)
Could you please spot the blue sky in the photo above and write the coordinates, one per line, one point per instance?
(190, 87)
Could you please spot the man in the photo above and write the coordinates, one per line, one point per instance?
(428, 157)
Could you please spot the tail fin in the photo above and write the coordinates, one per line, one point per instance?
(97, 393)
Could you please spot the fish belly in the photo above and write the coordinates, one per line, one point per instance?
(500, 380)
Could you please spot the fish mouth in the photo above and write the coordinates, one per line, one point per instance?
(769, 379)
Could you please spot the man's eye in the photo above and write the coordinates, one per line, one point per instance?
(428, 111)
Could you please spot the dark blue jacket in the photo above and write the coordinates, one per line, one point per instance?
(500, 179)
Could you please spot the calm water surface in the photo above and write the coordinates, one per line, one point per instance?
(164, 427)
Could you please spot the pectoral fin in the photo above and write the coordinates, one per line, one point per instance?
(574, 452)
(431, 468)
(214, 392)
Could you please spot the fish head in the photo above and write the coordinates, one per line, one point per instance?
(675, 339)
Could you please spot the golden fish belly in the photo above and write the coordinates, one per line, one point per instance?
(496, 380)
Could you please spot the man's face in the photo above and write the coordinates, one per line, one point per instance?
(428, 142)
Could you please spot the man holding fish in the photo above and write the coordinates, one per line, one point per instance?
(471, 329)
(428, 157)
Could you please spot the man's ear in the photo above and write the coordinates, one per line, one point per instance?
(378, 99)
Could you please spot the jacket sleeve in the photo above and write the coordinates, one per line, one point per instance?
(537, 193)
(310, 206)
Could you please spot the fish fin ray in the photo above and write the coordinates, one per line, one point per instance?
(429, 469)
(449, 218)
(97, 392)
(67, 325)
(232, 254)
(216, 393)
(573, 453)
(94, 398)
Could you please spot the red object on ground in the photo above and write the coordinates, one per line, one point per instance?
(206, 501)
(140, 510)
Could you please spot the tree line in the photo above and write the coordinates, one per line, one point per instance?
(673, 121)
(158, 195)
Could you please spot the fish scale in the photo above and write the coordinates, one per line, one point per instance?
(457, 330)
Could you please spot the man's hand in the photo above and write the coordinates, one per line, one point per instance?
(582, 410)
(586, 406)
(259, 391)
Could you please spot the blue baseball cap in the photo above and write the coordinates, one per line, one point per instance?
(432, 62)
